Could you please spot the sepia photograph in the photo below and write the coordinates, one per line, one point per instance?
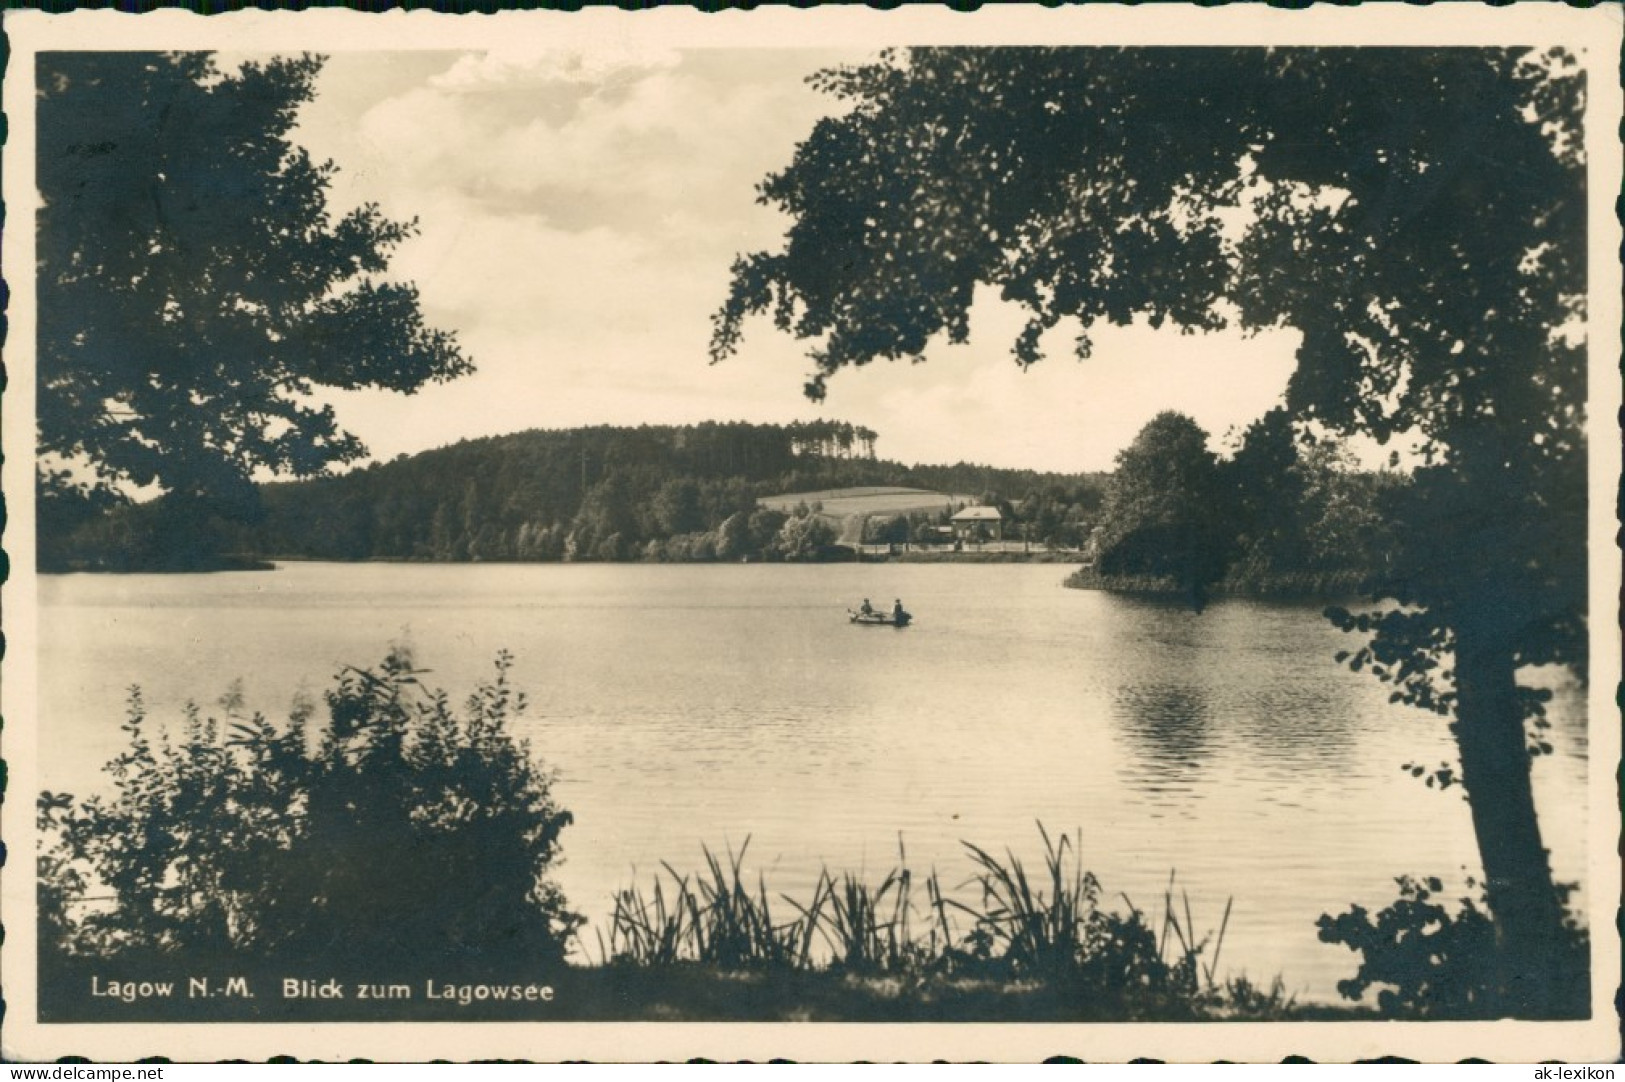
(822, 534)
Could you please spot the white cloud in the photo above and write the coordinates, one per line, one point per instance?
(650, 145)
(974, 402)
(528, 62)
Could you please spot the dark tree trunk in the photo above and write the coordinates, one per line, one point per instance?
(1534, 965)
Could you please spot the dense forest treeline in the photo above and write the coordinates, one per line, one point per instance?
(603, 493)
(1280, 515)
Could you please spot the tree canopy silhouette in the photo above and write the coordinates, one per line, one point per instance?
(1418, 216)
(1164, 511)
(194, 288)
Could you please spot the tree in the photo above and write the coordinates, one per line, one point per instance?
(804, 536)
(1417, 215)
(1305, 513)
(194, 288)
(1267, 478)
(1165, 514)
(733, 537)
(764, 526)
(893, 530)
(606, 521)
(676, 507)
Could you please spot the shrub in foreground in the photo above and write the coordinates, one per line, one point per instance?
(398, 831)
(1427, 960)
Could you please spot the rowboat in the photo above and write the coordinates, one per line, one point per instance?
(879, 619)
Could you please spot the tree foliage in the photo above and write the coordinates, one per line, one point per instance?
(399, 829)
(1426, 961)
(1165, 512)
(1302, 507)
(194, 286)
(1285, 516)
(804, 536)
(1418, 216)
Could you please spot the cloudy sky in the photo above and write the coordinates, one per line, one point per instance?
(578, 215)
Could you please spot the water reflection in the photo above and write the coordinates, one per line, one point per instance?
(1167, 728)
(1237, 705)
(1301, 727)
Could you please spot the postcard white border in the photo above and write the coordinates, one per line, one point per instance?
(1594, 35)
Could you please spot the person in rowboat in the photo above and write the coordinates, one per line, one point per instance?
(866, 609)
(897, 612)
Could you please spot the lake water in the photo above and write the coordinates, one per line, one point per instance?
(684, 705)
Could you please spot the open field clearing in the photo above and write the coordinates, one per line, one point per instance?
(841, 503)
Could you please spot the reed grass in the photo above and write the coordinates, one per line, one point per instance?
(1006, 923)
(866, 929)
(1036, 932)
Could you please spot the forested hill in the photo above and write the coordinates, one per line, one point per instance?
(608, 493)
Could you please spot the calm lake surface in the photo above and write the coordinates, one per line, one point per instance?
(684, 705)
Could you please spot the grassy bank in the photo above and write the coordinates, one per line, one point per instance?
(1035, 945)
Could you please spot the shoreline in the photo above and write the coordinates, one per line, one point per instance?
(269, 562)
(1329, 587)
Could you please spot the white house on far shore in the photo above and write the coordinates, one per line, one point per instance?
(979, 523)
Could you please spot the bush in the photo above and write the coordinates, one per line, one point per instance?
(398, 830)
(804, 537)
(1434, 963)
